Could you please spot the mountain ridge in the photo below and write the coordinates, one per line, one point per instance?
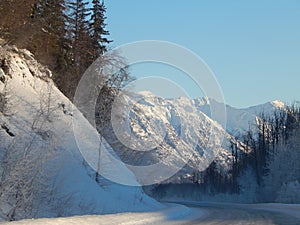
(182, 125)
(239, 120)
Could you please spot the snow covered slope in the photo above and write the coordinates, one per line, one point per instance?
(239, 120)
(42, 173)
(149, 130)
(176, 133)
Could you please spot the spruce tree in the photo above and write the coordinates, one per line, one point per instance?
(79, 30)
(79, 44)
(98, 30)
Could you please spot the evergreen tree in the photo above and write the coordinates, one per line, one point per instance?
(78, 28)
(79, 56)
(50, 44)
(98, 31)
(65, 35)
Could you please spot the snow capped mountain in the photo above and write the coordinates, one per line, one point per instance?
(176, 133)
(42, 173)
(165, 136)
(239, 120)
(277, 104)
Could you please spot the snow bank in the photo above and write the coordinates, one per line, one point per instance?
(173, 214)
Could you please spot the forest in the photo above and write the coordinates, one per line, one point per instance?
(266, 170)
(67, 36)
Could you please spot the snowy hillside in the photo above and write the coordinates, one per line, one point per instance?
(42, 173)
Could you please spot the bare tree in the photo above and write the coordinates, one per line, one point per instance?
(22, 165)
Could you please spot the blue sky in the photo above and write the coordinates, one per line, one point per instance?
(253, 47)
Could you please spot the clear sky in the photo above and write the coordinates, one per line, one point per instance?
(253, 46)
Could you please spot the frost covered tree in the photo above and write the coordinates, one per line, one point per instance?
(22, 174)
(22, 162)
(248, 185)
(273, 156)
(21, 178)
(284, 171)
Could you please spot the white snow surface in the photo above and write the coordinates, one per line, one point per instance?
(172, 215)
(179, 214)
(39, 113)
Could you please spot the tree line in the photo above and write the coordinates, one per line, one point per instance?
(265, 165)
(65, 35)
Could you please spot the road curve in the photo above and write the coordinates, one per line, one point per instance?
(231, 214)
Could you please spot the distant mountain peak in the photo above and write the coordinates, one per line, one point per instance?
(278, 104)
(146, 93)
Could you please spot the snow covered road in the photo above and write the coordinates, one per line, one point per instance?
(203, 213)
(243, 214)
